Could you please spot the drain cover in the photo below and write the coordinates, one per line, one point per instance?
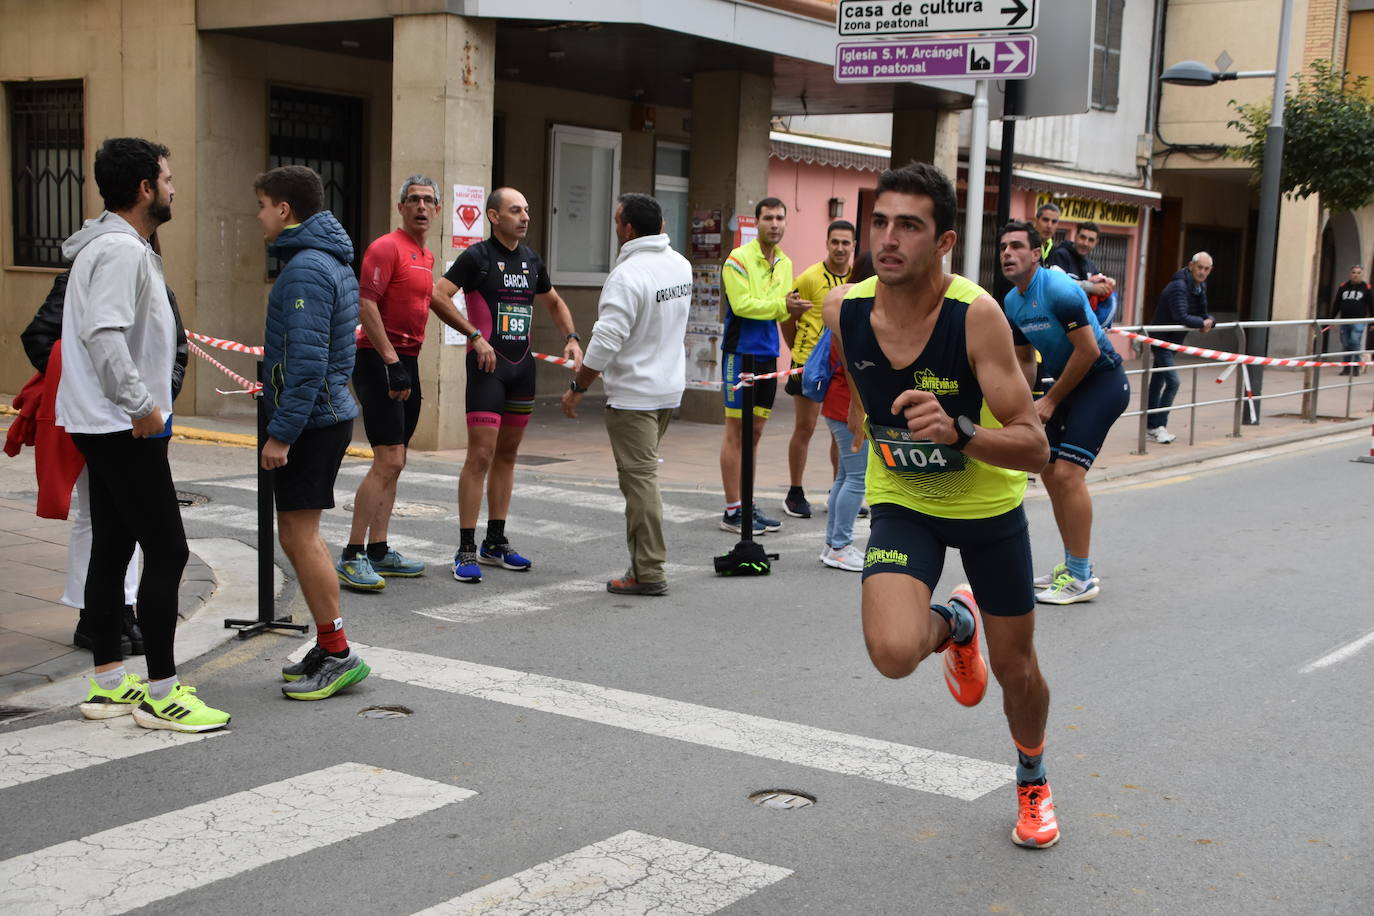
(187, 498)
(384, 712)
(782, 798)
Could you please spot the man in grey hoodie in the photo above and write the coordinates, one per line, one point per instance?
(115, 399)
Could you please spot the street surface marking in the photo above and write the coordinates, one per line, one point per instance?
(64, 747)
(492, 605)
(1348, 650)
(629, 874)
(898, 765)
(127, 867)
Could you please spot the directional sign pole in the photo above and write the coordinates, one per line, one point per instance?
(977, 169)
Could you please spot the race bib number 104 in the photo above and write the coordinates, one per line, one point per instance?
(901, 453)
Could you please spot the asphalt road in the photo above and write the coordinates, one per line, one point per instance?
(572, 751)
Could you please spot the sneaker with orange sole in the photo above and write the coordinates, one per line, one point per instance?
(1036, 826)
(966, 674)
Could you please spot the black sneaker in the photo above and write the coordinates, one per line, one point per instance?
(84, 640)
(132, 632)
(797, 506)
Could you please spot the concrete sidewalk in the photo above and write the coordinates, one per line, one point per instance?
(35, 628)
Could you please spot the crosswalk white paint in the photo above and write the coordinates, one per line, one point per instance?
(629, 874)
(63, 747)
(127, 867)
(900, 765)
(479, 604)
(1348, 650)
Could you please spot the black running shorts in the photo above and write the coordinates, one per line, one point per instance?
(793, 386)
(504, 397)
(386, 421)
(306, 481)
(995, 552)
(1082, 420)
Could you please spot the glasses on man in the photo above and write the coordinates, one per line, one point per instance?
(422, 199)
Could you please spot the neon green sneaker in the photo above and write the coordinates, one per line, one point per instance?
(181, 711)
(106, 704)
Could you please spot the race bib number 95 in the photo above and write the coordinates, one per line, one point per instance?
(513, 320)
(901, 453)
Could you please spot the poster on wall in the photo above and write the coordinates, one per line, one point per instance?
(469, 215)
(704, 329)
(706, 230)
(747, 230)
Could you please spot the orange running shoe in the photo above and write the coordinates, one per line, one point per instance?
(1036, 826)
(966, 674)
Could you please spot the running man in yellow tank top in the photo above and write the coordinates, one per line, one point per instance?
(951, 432)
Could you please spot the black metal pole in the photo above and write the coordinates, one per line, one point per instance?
(746, 463)
(266, 618)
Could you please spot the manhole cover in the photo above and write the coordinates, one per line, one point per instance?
(536, 460)
(782, 798)
(384, 712)
(187, 498)
(404, 509)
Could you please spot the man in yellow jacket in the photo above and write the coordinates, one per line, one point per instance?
(757, 282)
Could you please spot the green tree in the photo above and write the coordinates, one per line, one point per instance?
(1328, 147)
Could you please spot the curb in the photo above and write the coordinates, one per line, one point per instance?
(243, 440)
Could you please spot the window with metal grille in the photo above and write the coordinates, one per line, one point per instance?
(989, 267)
(325, 133)
(1107, 53)
(47, 172)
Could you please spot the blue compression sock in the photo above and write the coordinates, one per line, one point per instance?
(959, 618)
(1081, 568)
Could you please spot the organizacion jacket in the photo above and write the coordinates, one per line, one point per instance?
(756, 296)
(1182, 302)
(637, 340)
(310, 344)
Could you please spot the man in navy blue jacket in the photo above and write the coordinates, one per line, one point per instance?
(1184, 302)
(308, 355)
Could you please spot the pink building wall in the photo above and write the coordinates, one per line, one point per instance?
(807, 189)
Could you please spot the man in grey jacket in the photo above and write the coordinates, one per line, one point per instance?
(638, 343)
(115, 399)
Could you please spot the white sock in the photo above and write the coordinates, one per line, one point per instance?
(109, 680)
(158, 690)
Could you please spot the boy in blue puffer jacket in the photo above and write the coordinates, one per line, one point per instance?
(309, 347)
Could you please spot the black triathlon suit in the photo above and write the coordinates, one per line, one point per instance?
(499, 285)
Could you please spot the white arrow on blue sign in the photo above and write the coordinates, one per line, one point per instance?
(1009, 58)
(864, 19)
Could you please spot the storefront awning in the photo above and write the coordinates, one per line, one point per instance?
(834, 153)
(1061, 185)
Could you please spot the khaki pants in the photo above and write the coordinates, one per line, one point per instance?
(635, 435)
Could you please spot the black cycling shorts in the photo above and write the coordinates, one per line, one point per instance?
(386, 421)
(995, 551)
(793, 386)
(504, 397)
(765, 392)
(1082, 420)
(306, 481)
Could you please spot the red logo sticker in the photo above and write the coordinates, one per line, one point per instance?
(469, 214)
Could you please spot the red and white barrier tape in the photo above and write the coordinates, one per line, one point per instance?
(1223, 357)
(748, 378)
(219, 344)
(556, 360)
(248, 387)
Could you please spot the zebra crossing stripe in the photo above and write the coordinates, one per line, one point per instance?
(124, 868)
(900, 765)
(64, 747)
(629, 874)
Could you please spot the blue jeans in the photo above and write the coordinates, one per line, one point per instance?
(1163, 386)
(1352, 341)
(847, 492)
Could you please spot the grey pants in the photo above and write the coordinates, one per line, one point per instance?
(635, 435)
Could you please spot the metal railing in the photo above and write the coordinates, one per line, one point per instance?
(1309, 391)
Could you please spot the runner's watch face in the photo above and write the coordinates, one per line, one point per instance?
(576, 388)
(966, 430)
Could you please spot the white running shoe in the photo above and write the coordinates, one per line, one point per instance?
(1049, 578)
(1068, 590)
(1161, 435)
(849, 558)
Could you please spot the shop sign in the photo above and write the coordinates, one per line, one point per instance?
(1086, 210)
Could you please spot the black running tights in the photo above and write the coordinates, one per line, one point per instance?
(133, 501)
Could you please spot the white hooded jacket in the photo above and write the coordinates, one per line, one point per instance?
(638, 340)
(118, 331)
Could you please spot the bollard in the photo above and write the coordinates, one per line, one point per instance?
(747, 558)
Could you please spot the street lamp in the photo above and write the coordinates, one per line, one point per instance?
(1192, 73)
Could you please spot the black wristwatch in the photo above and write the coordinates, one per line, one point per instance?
(572, 336)
(576, 388)
(965, 429)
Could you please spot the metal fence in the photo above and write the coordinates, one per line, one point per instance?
(1314, 380)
